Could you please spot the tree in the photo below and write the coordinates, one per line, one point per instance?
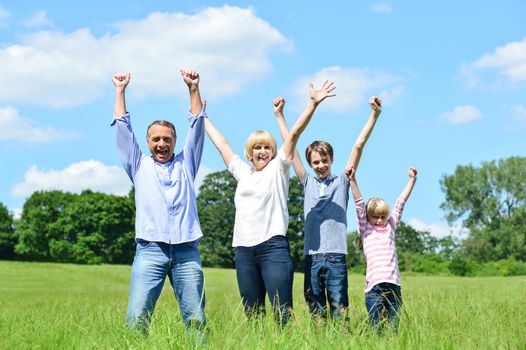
(215, 204)
(492, 201)
(40, 210)
(94, 228)
(8, 236)
(295, 231)
(485, 196)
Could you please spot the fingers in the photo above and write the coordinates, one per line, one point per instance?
(375, 102)
(189, 73)
(412, 172)
(278, 101)
(121, 79)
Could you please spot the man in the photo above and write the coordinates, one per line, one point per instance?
(167, 228)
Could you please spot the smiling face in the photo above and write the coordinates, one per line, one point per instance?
(161, 142)
(260, 149)
(320, 164)
(262, 154)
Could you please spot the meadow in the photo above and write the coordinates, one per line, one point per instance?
(63, 306)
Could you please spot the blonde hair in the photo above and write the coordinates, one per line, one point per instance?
(259, 137)
(377, 207)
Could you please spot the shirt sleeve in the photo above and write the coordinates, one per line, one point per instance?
(238, 168)
(127, 147)
(361, 215)
(397, 212)
(194, 143)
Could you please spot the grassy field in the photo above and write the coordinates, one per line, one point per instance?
(60, 306)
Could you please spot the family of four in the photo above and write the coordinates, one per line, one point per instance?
(167, 229)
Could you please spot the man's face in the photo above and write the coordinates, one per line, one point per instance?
(161, 142)
(320, 165)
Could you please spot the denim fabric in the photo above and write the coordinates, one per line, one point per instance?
(326, 279)
(266, 268)
(384, 295)
(152, 263)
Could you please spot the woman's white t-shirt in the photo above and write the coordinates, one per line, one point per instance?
(261, 200)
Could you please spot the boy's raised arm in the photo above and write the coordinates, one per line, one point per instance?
(316, 97)
(354, 159)
(279, 104)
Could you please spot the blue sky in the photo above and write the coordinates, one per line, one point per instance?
(452, 75)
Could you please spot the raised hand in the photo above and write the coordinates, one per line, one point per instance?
(121, 79)
(376, 104)
(191, 77)
(279, 104)
(412, 172)
(319, 94)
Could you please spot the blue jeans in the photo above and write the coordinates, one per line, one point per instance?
(382, 296)
(266, 268)
(326, 279)
(154, 261)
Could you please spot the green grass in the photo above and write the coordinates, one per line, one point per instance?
(60, 306)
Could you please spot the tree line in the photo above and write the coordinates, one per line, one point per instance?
(94, 228)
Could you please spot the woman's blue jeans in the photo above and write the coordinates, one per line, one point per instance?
(154, 261)
(326, 279)
(266, 269)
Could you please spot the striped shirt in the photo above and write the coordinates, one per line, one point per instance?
(379, 246)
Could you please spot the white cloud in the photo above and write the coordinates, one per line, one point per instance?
(439, 229)
(461, 115)
(507, 63)
(90, 174)
(15, 127)
(230, 46)
(38, 19)
(354, 86)
(381, 7)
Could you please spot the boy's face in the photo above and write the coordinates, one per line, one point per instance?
(320, 165)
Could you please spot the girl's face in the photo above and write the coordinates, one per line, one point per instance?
(380, 220)
(320, 165)
(261, 155)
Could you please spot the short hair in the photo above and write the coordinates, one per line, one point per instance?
(377, 207)
(162, 123)
(262, 137)
(323, 148)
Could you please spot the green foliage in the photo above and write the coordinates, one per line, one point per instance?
(89, 228)
(492, 201)
(40, 210)
(8, 236)
(355, 257)
(215, 204)
(295, 232)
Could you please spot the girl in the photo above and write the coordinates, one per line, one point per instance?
(377, 233)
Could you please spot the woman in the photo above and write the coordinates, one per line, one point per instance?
(263, 262)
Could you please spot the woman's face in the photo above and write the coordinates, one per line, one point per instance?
(261, 155)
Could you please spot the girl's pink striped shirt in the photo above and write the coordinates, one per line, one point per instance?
(379, 246)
